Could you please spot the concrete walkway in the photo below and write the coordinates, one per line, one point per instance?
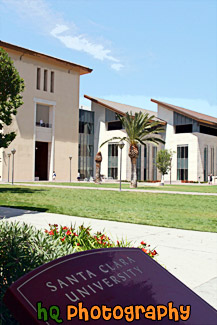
(117, 189)
(191, 256)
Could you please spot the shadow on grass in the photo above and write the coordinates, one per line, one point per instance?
(19, 190)
(10, 211)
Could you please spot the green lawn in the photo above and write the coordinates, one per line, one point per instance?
(180, 188)
(167, 210)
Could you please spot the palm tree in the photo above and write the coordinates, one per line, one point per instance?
(140, 129)
(98, 160)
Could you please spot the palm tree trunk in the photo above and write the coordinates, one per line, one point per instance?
(98, 160)
(131, 179)
(133, 173)
(97, 180)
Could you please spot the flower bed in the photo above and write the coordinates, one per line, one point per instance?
(23, 248)
(81, 239)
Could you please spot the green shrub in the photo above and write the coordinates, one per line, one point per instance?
(23, 248)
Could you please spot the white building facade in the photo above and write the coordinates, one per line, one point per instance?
(107, 126)
(191, 136)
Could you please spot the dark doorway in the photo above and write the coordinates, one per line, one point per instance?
(41, 160)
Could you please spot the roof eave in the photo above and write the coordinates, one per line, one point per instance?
(183, 113)
(102, 104)
(69, 65)
(112, 108)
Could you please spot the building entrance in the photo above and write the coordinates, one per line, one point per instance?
(41, 160)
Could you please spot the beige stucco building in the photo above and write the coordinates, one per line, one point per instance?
(47, 123)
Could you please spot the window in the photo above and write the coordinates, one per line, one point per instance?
(116, 125)
(86, 143)
(110, 116)
(113, 121)
(52, 82)
(138, 165)
(85, 150)
(42, 116)
(205, 164)
(184, 124)
(187, 128)
(86, 127)
(180, 119)
(45, 80)
(113, 160)
(212, 161)
(208, 130)
(154, 157)
(182, 163)
(145, 163)
(38, 78)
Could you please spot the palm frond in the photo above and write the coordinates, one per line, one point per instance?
(152, 139)
(115, 138)
(140, 128)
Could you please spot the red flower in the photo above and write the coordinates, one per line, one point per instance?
(145, 250)
(68, 232)
(118, 243)
(62, 239)
(51, 233)
(143, 243)
(74, 233)
(55, 225)
(46, 231)
(154, 252)
(78, 244)
(65, 228)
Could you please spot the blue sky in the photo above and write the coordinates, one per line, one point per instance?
(138, 50)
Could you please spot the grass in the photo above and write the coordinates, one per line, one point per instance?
(179, 188)
(166, 210)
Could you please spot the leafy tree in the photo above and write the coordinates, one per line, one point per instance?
(163, 161)
(11, 86)
(140, 129)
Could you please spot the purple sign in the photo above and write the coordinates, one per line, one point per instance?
(118, 285)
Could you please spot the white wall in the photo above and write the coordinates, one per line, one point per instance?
(211, 142)
(101, 134)
(196, 143)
